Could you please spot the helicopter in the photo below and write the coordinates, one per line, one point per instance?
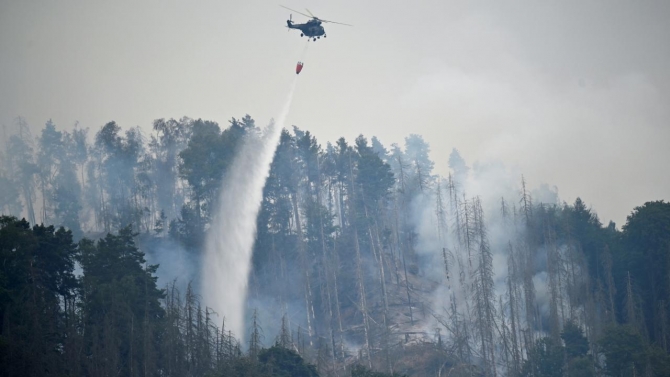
(312, 29)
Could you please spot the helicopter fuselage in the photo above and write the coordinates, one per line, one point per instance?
(310, 29)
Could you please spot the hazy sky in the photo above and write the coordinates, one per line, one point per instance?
(571, 93)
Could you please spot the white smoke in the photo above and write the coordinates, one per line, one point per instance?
(230, 239)
(490, 182)
(177, 265)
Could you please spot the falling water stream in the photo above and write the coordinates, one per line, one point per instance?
(230, 239)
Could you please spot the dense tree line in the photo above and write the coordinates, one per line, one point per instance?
(364, 256)
(112, 319)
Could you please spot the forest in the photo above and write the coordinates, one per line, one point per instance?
(366, 262)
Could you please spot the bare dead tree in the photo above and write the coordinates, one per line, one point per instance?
(440, 214)
(484, 290)
(513, 303)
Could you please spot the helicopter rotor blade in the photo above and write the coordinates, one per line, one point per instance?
(306, 15)
(333, 22)
(311, 15)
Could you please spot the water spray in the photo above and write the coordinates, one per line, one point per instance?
(230, 239)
